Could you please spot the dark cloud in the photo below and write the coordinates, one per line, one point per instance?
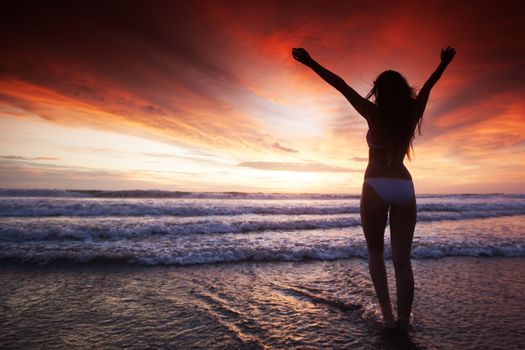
(189, 154)
(278, 146)
(21, 174)
(28, 158)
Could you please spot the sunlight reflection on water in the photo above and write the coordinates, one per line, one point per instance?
(317, 305)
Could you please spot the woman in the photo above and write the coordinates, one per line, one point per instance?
(393, 119)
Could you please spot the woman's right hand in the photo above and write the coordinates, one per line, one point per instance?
(447, 55)
(302, 55)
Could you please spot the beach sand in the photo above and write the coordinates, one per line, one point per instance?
(460, 303)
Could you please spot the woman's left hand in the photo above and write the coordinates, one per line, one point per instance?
(447, 55)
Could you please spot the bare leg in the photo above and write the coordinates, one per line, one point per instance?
(374, 213)
(402, 224)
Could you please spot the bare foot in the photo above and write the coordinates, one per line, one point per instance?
(388, 325)
(403, 325)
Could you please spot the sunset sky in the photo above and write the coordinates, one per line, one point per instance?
(205, 95)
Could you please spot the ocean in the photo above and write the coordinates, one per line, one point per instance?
(184, 228)
(183, 270)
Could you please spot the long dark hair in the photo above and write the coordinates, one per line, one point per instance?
(398, 119)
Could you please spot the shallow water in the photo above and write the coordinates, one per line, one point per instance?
(460, 303)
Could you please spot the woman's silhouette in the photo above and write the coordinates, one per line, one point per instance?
(393, 119)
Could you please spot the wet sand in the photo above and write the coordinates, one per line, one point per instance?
(460, 303)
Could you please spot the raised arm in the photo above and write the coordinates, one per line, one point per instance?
(422, 98)
(362, 105)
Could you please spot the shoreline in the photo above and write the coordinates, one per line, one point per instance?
(124, 264)
(460, 302)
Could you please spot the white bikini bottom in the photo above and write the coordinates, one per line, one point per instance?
(393, 191)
